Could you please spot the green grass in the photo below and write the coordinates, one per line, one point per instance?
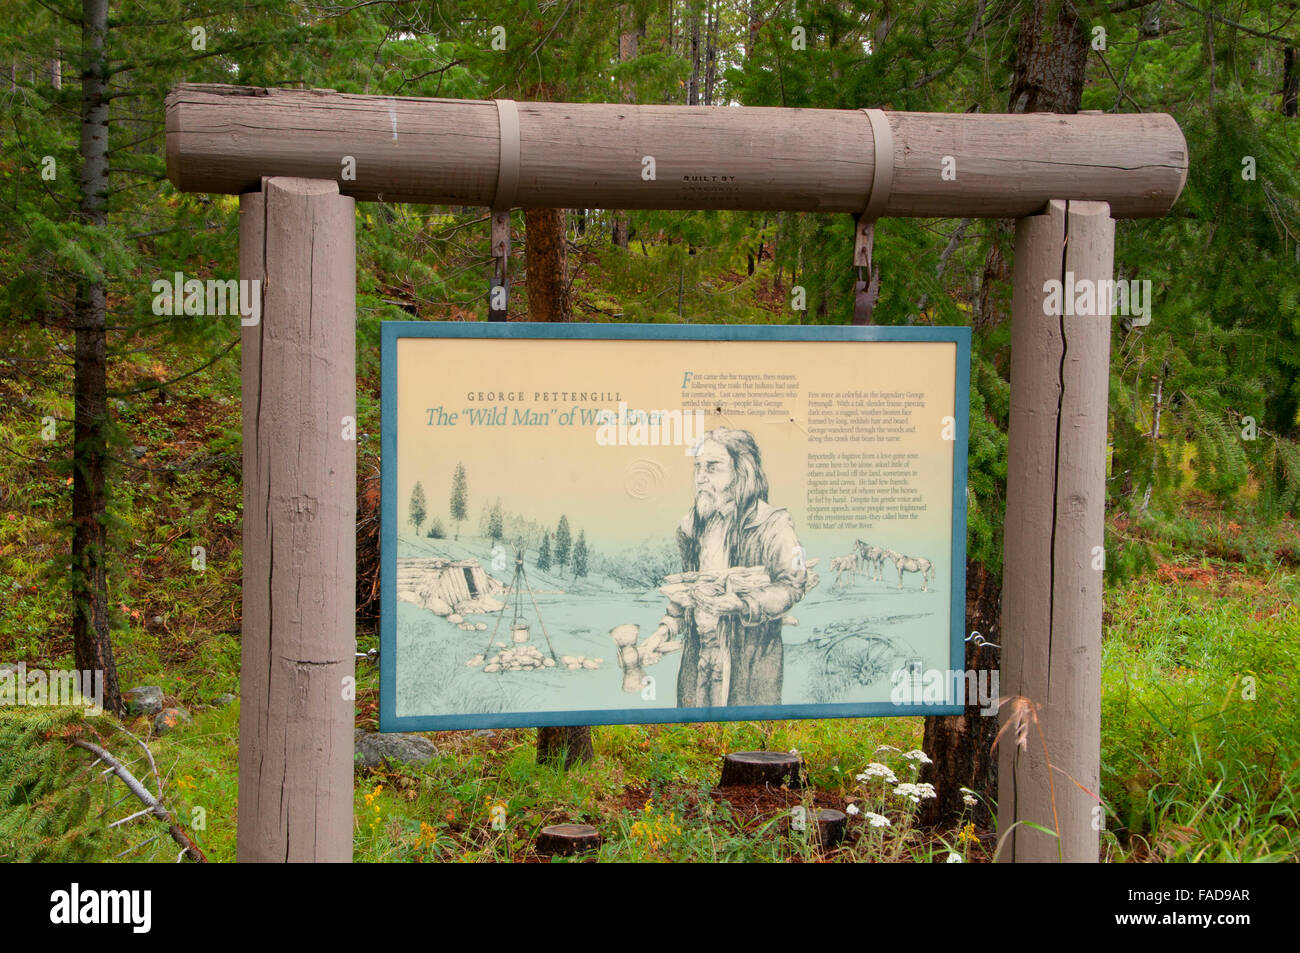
(1200, 743)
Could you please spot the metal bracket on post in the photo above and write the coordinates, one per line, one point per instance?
(867, 288)
(502, 202)
(499, 294)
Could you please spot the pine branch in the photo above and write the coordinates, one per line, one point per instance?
(156, 385)
(1211, 15)
(167, 61)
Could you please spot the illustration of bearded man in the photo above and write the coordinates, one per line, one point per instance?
(743, 569)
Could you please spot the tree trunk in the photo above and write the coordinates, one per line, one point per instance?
(629, 47)
(1290, 81)
(959, 745)
(710, 52)
(987, 312)
(564, 746)
(629, 42)
(1049, 74)
(546, 265)
(545, 257)
(693, 88)
(884, 22)
(1050, 60)
(548, 300)
(92, 647)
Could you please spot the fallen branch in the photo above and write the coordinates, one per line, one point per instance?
(154, 806)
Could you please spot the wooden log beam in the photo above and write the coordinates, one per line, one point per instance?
(297, 238)
(582, 155)
(1052, 568)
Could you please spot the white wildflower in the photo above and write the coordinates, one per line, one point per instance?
(954, 858)
(968, 800)
(877, 770)
(852, 809)
(925, 790)
(910, 791)
(918, 755)
(877, 820)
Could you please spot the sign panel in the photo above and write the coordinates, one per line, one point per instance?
(608, 524)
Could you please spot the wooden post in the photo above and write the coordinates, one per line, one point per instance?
(297, 664)
(1056, 490)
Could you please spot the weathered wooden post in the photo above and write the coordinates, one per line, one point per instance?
(298, 238)
(1052, 578)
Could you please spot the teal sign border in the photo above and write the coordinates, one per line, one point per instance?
(392, 331)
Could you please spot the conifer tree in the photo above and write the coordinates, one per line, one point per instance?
(496, 523)
(459, 497)
(417, 507)
(563, 544)
(580, 555)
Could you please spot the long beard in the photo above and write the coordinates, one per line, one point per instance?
(713, 512)
(710, 505)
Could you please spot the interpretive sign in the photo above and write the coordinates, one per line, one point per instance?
(606, 524)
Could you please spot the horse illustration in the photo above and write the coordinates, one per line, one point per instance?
(872, 556)
(911, 564)
(844, 564)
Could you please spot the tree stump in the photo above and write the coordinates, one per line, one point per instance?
(567, 839)
(757, 768)
(564, 746)
(831, 827)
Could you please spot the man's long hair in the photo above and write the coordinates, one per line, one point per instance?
(748, 486)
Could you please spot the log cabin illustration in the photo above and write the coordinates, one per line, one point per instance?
(448, 586)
